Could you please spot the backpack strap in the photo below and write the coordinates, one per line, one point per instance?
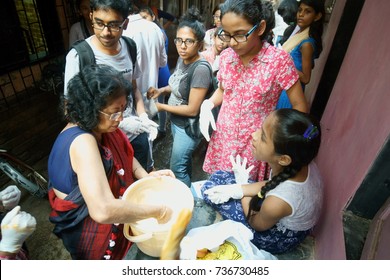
(132, 47)
(87, 57)
(191, 71)
(85, 53)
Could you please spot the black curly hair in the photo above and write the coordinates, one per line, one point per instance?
(91, 90)
(290, 138)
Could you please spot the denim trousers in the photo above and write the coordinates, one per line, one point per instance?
(162, 115)
(181, 158)
(141, 149)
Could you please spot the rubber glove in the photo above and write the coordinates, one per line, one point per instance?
(241, 173)
(10, 197)
(152, 126)
(222, 193)
(206, 118)
(133, 125)
(15, 228)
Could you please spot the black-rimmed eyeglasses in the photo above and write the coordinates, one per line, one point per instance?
(187, 42)
(112, 26)
(239, 38)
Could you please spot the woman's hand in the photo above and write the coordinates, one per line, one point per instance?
(153, 92)
(162, 172)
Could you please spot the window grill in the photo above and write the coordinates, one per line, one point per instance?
(33, 33)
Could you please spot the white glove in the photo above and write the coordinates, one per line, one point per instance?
(152, 126)
(133, 125)
(222, 193)
(240, 172)
(15, 228)
(153, 133)
(10, 197)
(206, 118)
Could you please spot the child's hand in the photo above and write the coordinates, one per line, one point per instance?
(221, 194)
(240, 172)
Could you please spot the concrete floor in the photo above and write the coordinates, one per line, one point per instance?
(43, 244)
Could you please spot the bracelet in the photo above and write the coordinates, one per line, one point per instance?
(163, 214)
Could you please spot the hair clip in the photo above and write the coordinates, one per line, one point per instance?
(311, 132)
(260, 195)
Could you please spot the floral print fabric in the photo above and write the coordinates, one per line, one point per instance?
(250, 95)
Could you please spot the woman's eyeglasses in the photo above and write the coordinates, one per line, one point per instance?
(239, 38)
(187, 42)
(113, 116)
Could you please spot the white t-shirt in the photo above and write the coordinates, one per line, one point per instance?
(121, 62)
(151, 45)
(305, 199)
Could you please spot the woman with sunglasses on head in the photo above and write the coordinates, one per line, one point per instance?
(90, 166)
(188, 87)
(251, 76)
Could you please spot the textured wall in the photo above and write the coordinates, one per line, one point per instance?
(356, 122)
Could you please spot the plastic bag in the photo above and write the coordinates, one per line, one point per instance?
(150, 106)
(226, 240)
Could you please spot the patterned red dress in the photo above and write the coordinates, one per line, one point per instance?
(251, 93)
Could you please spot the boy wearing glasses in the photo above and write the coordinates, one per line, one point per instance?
(109, 19)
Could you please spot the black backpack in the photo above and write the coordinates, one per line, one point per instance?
(214, 84)
(87, 57)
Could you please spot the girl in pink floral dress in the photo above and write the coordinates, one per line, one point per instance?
(252, 75)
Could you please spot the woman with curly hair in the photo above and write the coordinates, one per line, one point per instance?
(90, 166)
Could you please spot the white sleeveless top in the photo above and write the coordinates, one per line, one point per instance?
(305, 199)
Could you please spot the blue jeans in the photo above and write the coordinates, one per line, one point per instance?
(162, 115)
(141, 149)
(181, 158)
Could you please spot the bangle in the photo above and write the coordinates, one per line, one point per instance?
(163, 213)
